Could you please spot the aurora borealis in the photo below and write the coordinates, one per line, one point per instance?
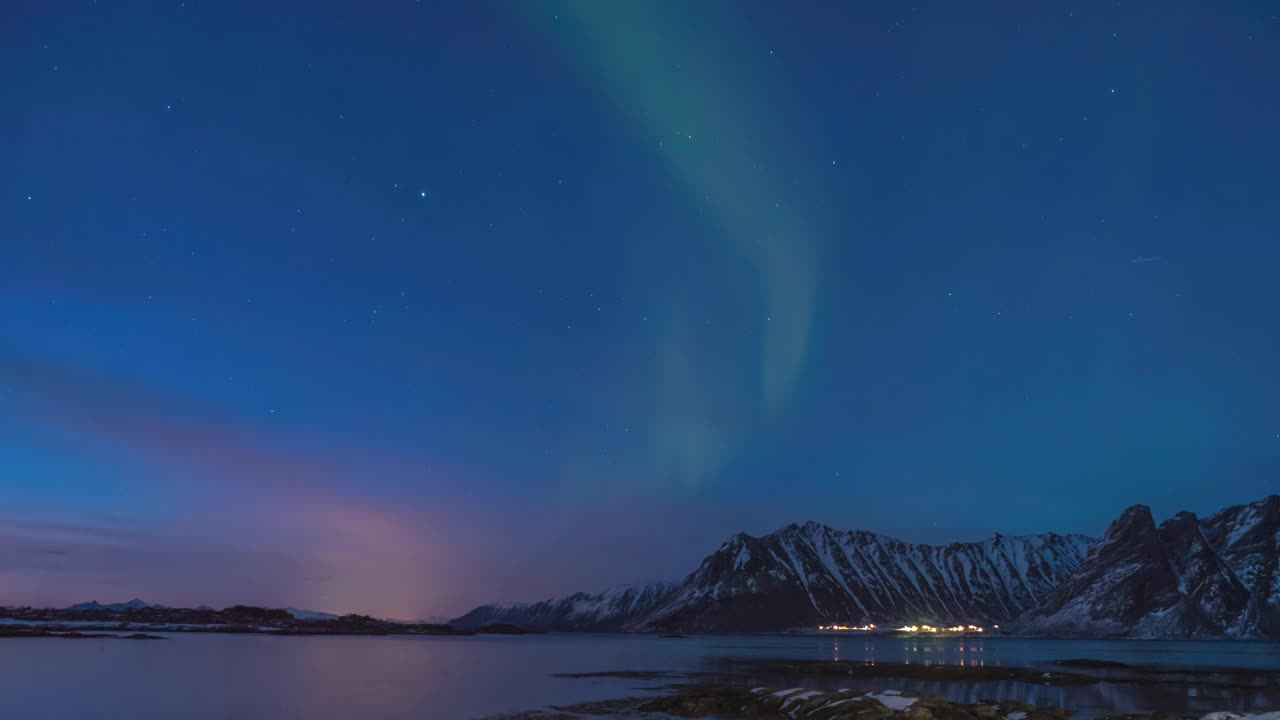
(403, 307)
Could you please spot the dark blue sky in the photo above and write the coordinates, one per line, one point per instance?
(399, 307)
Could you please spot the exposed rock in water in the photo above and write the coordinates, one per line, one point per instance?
(806, 704)
(1090, 663)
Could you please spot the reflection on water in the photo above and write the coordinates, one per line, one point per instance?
(208, 677)
(1086, 701)
(1191, 694)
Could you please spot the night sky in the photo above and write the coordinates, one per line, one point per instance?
(400, 307)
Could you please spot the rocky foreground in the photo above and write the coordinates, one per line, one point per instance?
(725, 702)
(806, 704)
(767, 688)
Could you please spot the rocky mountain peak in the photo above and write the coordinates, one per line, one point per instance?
(1135, 518)
(804, 576)
(1215, 576)
(1190, 577)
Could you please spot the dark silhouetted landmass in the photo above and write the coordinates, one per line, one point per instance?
(124, 617)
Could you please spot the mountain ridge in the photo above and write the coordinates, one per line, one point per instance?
(812, 574)
(1188, 577)
(611, 609)
(804, 574)
(134, 604)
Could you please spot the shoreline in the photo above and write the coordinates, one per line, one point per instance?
(1076, 672)
(276, 621)
(109, 630)
(237, 619)
(850, 690)
(373, 627)
(726, 702)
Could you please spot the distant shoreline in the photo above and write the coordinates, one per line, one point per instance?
(237, 620)
(246, 619)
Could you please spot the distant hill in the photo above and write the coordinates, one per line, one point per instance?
(134, 604)
(614, 609)
(309, 614)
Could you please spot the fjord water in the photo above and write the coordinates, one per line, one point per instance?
(202, 677)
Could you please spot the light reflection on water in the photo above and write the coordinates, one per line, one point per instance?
(1105, 697)
(207, 677)
(928, 651)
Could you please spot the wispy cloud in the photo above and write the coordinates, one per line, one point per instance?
(262, 517)
(257, 521)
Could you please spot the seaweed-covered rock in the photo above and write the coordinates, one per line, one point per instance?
(701, 702)
(809, 704)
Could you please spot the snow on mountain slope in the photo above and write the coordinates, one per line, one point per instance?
(1247, 538)
(613, 609)
(1215, 577)
(1188, 577)
(309, 614)
(134, 604)
(804, 576)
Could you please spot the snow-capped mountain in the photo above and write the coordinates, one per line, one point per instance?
(134, 604)
(309, 614)
(810, 575)
(1189, 577)
(805, 576)
(614, 609)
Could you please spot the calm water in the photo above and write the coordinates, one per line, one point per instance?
(199, 677)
